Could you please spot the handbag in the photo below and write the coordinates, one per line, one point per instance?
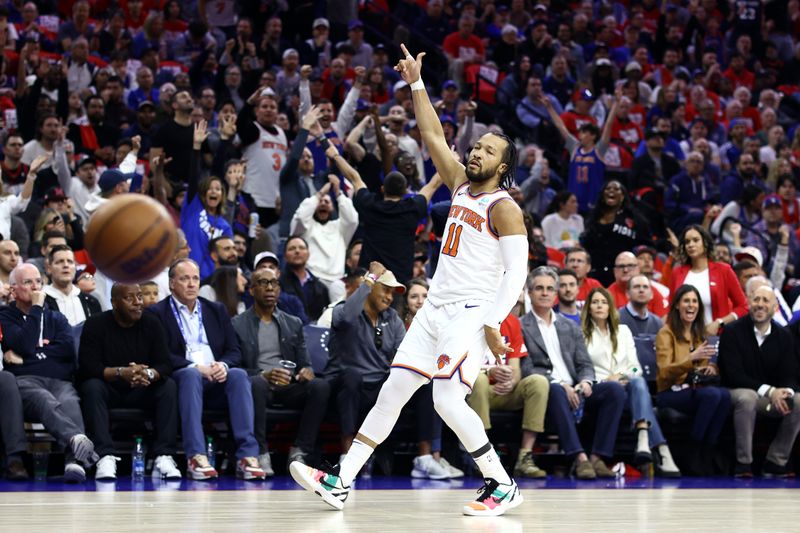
(697, 379)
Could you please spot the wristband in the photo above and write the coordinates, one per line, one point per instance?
(418, 85)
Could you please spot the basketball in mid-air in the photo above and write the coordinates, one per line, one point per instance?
(131, 238)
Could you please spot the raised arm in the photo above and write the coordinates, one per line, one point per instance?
(351, 144)
(557, 122)
(452, 172)
(341, 163)
(612, 114)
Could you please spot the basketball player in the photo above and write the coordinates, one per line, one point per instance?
(481, 273)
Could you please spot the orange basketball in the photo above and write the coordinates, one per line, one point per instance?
(131, 238)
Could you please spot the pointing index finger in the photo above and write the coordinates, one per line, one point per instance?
(405, 50)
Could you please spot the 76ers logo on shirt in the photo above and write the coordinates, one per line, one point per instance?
(443, 361)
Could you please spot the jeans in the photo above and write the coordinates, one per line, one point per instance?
(12, 425)
(641, 407)
(708, 405)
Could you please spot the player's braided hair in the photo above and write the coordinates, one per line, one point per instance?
(510, 159)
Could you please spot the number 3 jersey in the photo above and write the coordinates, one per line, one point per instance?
(470, 265)
(265, 158)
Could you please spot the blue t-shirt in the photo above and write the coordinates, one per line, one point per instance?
(200, 228)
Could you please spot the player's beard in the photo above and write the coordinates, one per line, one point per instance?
(480, 176)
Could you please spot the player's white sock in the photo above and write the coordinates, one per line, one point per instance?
(489, 463)
(355, 459)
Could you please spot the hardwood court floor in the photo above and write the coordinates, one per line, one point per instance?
(673, 510)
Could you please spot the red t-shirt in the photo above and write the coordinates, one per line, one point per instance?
(744, 79)
(467, 49)
(573, 121)
(583, 291)
(511, 330)
(628, 132)
(658, 305)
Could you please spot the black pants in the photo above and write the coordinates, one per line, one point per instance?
(12, 428)
(161, 397)
(310, 396)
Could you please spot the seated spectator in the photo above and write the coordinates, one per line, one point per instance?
(268, 337)
(124, 361)
(613, 353)
(722, 297)
(612, 227)
(763, 377)
(647, 256)
(13, 204)
(462, 49)
(327, 239)
(416, 294)
(579, 261)
(652, 171)
(9, 259)
(635, 314)
(733, 184)
(746, 210)
(625, 267)
(227, 286)
(288, 303)
(690, 194)
(12, 428)
(557, 351)
(204, 353)
(781, 244)
(299, 281)
(97, 138)
(145, 91)
(562, 226)
(365, 334)
(40, 352)
(61, 294)
(150, 294)
(687, 379)
(567, 294)
(500, 386)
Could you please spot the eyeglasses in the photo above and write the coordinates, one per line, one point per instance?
(55, 220)
(627, 267)
(86, 277)
(266, 283)
(378, 337)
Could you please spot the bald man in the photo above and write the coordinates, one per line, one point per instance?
(757, 362)
(625, 267)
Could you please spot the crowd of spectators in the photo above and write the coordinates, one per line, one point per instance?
(658, 157)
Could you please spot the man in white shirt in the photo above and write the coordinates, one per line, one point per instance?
(327, 239)
(62, 294)
(556, 349)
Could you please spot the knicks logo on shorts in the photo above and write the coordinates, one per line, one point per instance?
(443, 361)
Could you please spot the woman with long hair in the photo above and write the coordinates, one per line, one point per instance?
(203, 211)
(226, 286)
(562, 226)
(787, 190)
(686, 374)
(380, 88)
(613, 226)
(719, 289)
(416, 294)
(612, 350)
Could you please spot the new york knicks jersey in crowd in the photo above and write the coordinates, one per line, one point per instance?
(470, 265)
(586, 177)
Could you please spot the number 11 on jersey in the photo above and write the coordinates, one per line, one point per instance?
(453, 238)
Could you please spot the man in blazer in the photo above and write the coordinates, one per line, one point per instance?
(204, 351)
(556, 349)
(268, 337)
(759, 363)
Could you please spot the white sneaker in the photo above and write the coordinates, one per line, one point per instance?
(425, 466)
(265, 461)
(106, 468)
(164, 467)
(74, 473)
(452, 471)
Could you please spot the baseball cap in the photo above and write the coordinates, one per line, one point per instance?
(771, 200)
(509, 28)
(750, 252)
(399, 85)
(603, 62)
(388, 279)
(54, 194)
(86, 160)
(736, 122)
(585, 94)
(146, 103)
(265, 256)
(448, 118)
(633, 65)
(355, 24)
(361, 104)
(449, 84)
(111, 178)
(540, 7)
(652, 132)
(321, 22)
(644, 249)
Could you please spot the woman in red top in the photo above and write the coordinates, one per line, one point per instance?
(720, 292)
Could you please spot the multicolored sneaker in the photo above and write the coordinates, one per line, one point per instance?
(199, 469)
(495, 499)
(326, 485)
(249, 469)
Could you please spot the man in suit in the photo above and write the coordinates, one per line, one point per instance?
(268, 337)
(204, 351)
(556, 349)
(758, 362)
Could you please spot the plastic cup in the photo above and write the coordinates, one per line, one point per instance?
(41, 461)
(289, 366)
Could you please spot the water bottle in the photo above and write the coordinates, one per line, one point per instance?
(578, 412)
(210, 452)
(138, 459)
(253, 227)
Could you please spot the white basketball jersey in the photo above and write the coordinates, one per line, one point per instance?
(265, 159)
(470, 265)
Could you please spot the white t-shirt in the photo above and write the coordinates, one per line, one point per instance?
(700, 281)
(562, 232)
